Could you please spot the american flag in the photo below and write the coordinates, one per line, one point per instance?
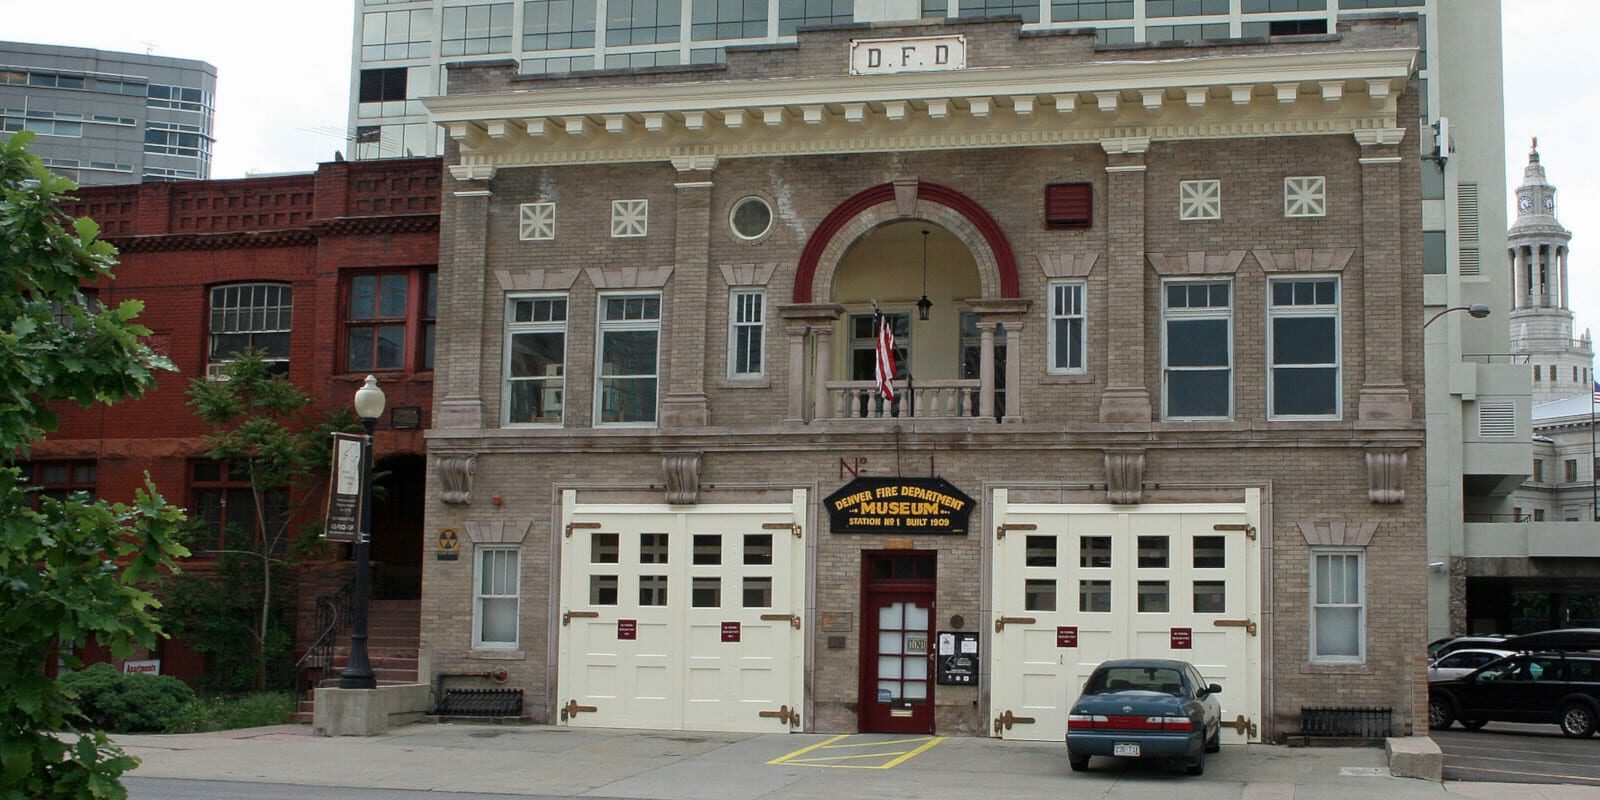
(884, 360)
(1594, 399)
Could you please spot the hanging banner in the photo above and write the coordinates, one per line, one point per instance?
(344, 489)
(899, 506)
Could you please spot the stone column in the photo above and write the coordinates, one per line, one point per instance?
(804, 320)
(462, 279)
(1518, 271)
(1384, 396)
(986, 370)
(1125, 398)
(823, 408)
(797, 372)
(1014, 371)
(686, 404)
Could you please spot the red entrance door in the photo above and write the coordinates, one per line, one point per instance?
(896, 649)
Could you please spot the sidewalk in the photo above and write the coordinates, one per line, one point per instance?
(650, 765)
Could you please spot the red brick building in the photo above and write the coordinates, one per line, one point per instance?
(331, 273)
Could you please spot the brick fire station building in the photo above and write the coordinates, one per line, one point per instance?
(1165, 398)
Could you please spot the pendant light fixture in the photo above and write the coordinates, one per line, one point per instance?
(924, 304)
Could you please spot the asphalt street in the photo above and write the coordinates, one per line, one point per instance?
(1505, 751)
(169, 789)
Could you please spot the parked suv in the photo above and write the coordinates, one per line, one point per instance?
(1549, 687)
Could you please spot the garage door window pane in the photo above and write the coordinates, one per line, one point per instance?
(603, 548)
(758, 548)
(1210, 552)
(652, 590)
(707, 549)
(1039, 595)
(1041, 551)
(707, 593)
(652, 548)
(1154, 597)
(1094, 597)
(1153, 552)
(602, 590)
(758, 593)
(1210, 597)
(1094, 552)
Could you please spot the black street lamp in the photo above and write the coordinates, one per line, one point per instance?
(358, 673)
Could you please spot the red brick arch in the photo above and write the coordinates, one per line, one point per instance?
(1005, 260)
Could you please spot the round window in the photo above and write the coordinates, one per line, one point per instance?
(751, 218)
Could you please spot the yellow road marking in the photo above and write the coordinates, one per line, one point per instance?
(808, 748)
(913, 753)
(880, 744)
(814, 759)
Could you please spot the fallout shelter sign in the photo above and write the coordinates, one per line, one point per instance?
(899, 506)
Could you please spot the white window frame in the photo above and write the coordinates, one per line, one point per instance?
(1275, 312)
(738, 300)
(536, 222)
(1170, 314)
(479, 595)
(604, 326)
(1058, 290)
(512, 328)
(1200, 200)
(1360, 605)
(630, 218)
(1305, 196)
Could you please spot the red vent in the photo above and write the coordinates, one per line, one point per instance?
(1069, 205)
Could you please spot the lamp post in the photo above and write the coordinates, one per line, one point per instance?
(1476, 311)
(358, 673)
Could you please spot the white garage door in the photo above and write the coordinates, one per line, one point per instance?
(675, 619)
(1075, 585)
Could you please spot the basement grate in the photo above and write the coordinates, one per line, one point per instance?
(480, 703)
(1346, 722)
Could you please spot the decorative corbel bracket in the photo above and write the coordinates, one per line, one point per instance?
(455, 475)
(1124, 476)
(682, 477)
(1386, 475)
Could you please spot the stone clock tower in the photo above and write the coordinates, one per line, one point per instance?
(1541, 319)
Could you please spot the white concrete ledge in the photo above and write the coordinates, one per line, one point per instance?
(368, 712)
(1414, 757)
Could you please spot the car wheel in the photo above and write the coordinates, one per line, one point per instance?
(1474, 724)
(1078, 763)
(1214, 744)
(1577, 720)
(1196, 765)
(1440, 712)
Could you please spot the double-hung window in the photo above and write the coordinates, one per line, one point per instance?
(1066, 328)
(536, 360)
(1338, 604)
(1197, 349)
(629, 353)
(225, 507)
(1303, 342)
(498, 592)
(250, 316)
(390, 319)
(58, 480)
(746, 323)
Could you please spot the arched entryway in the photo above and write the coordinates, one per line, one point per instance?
(397, 525)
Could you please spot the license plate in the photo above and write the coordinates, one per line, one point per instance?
(1128, 749)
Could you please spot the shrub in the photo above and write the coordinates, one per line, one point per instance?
(226, 713)
(133, 703)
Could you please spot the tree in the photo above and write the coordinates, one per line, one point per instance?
(75, 569)
(261, 428)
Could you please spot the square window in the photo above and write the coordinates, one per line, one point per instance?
(602, 590)
(652, 548)
(1039, 595)
(1210, 597)
(1154, 597)
(537, 222)
(652, 590)
(757, 592)
(1210, 552)
(603, 548)
(629, 218)
(1041, 551)
(1094, 552)
(1305, 197)
(1200, 200)
(758, 549)
(1153, 552)
(1094, 597)
(706, 593)
(707, 549)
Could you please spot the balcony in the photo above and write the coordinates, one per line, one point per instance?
(1532, 539)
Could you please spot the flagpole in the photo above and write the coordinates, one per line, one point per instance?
(1594, 459)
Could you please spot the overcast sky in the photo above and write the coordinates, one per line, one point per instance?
(283, 88)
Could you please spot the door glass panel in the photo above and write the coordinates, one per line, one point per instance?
(1094, 596)
(757, 592)
(706, 593)
(891, 617)
(916, 669)
(1039, 595)
(602, 590)
(603, 548)
(916, 690)
(758, 548)
(1153, 552)
(1094, 552)
(1210, 597)
(1041, 551)
(1210, 552)
(916, 617)
(888, 691)
(1153, 597)
(889, 643)
(652, 548)
(889, 666)
(652, 590)
(707, 549)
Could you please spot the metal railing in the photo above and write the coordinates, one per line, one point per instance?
(333, 624)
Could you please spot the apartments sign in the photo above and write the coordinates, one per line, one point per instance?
(915, 54)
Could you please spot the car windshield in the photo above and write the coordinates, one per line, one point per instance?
(1163, 680)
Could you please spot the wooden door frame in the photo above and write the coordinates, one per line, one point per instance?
(927, 587)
